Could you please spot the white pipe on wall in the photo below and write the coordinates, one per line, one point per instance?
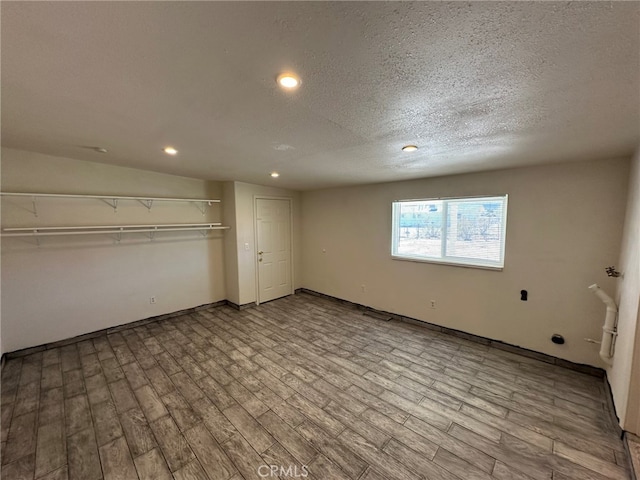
(609, 328)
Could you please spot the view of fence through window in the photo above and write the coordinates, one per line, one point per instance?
(465, 230)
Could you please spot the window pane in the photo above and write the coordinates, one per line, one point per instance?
(474, 229)
(466, 231)
(419, 229)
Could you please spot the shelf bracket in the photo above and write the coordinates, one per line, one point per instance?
(35, 206)
(112, 202)
(202, 206)
(147, 202)
(152, 234)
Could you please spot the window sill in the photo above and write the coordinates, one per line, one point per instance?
(447, 262)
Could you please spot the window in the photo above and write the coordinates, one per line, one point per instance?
(465, 231)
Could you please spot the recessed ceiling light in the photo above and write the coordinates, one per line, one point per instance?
(409, 148)
(170, 150)
(275, 174)
(288, 80)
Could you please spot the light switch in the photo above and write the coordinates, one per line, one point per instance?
(246, 246)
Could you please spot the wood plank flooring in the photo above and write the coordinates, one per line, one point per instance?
(303, 384)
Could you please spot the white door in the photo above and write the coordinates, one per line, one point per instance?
(273, 227)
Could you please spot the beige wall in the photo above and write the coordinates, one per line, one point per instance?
(230, 242)
(240, 257)
(77, 284)
(624, 369)
(564, 228)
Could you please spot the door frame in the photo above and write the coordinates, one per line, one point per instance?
(255, 239)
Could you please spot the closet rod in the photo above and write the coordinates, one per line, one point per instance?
(115, 229)
(106, 227)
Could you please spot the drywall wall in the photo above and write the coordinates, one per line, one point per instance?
(240, 258)
(230, 242)
(73, 285)
(628, 295)
(564, 227)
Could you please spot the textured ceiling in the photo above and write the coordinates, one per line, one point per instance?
(477, 86)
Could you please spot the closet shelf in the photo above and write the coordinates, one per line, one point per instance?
(100, 197)
(109, 229)
(112, 200)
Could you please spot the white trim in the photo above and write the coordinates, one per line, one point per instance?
(466, 197)
(447, 262)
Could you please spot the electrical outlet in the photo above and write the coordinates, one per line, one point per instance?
(432, 303)
(152, 299)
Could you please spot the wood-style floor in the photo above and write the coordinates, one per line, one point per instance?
(305, 384)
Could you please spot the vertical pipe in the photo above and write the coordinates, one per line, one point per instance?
(609, 328)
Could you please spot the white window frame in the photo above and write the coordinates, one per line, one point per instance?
(443, 258)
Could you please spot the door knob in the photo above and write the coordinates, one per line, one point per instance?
(260, 252)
